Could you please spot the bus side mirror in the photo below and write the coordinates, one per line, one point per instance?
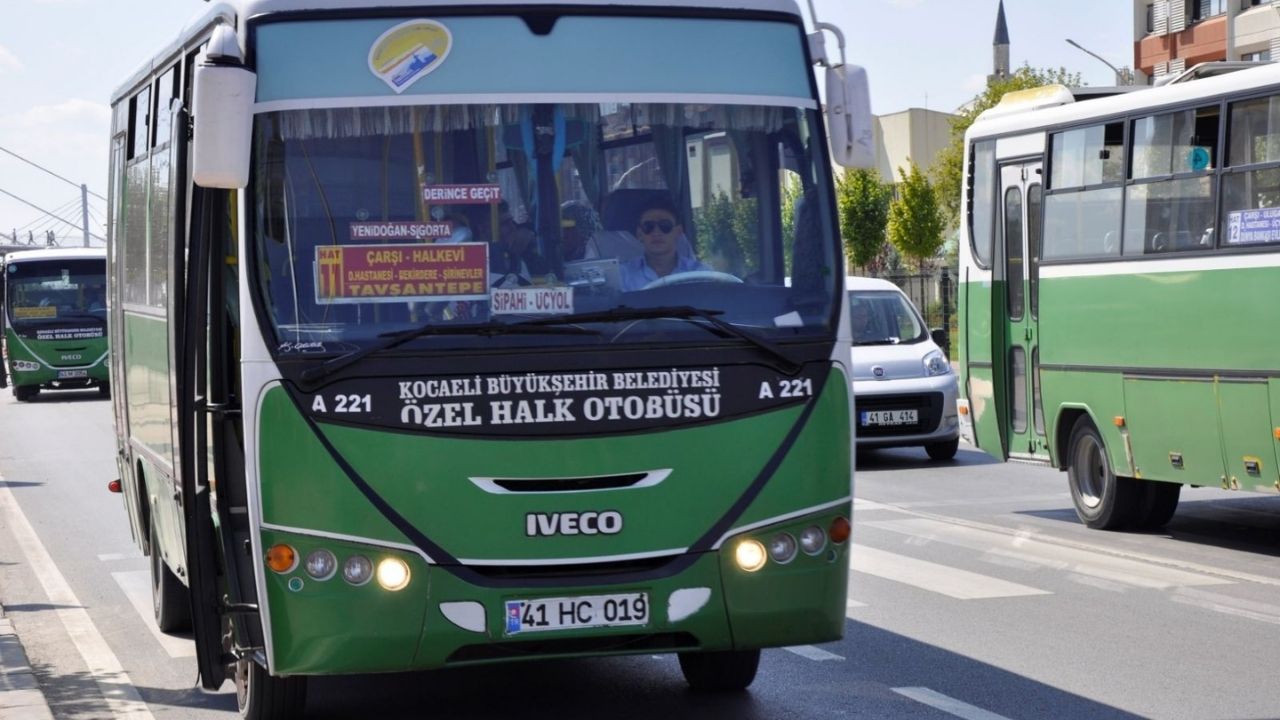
(222, 111)
(849, 121)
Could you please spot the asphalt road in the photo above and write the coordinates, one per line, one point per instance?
(975, 593)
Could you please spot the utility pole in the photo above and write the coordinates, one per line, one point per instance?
(84, 212)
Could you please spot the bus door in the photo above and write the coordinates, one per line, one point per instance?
(1022, 197)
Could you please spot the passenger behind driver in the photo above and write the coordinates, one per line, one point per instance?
(660, 232)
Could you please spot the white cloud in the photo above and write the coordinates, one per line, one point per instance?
(8, 61)
(70, 138)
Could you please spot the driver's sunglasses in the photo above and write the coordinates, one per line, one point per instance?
(648, 226)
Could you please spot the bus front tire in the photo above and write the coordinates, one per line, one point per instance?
(259, 696)
(25, 393)
(725, 671)
(1158, 503)
(1103, 500)
(169, 597)
(942, 451)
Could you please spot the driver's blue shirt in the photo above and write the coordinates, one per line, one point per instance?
(636, 273)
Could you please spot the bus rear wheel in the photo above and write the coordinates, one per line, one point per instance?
(1158, 503)
(25, 393)
(1103, 501)
(725, 671)
(259, 696)
(169, 597)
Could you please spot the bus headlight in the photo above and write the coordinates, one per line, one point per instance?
(782, 548)
(393, 574)
(321, 564)
(935, 363)
(25, 366)
(750, 555)
(357, 570)
(813, 540)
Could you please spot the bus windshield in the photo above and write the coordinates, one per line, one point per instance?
(374, 221)
(51, 292)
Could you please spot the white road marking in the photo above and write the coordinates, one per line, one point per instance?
(813, 653)
(853, 604)
(103, 666)
(1248, 609)
(949, 705)
(941, 579)
(136, 586)
(1108, 550)
(113, 557)
(1027, 548)
(1003, 500)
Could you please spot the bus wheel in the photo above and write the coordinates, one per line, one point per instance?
(169, 597)
(25, 393)
(260, 696)
(104, 390)
(720, 671)
(942, 451)
(1159, 501)
(1103, 501)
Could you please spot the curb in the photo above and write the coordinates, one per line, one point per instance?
(20, 695)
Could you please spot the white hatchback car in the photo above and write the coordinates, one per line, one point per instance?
(904, 388)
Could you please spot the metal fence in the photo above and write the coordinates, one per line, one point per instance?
(934, 294)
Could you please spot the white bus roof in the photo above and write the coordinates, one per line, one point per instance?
(242, 9)
(56, 254)
(1012, 122)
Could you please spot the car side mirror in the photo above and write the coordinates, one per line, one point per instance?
(941, 338)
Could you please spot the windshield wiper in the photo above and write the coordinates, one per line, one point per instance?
(395, 339)
(683, 312)
(886, 341)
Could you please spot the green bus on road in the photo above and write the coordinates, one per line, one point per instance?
(54, 320)
(455, 333)
(1117, 271)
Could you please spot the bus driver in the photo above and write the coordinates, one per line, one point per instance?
(660, 232)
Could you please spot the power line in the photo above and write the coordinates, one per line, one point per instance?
(41, 220)
(46, 212)
(44, 169)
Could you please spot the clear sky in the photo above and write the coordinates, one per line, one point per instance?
(60, 60)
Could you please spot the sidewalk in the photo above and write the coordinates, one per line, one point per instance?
(20, 695)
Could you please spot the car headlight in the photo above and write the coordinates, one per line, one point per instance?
(935, 363)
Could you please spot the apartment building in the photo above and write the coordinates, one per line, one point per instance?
(1173, 35)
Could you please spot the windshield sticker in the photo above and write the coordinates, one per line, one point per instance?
(82, 333)
(486, 194)
(393, 273)
(586, 402)
(409, 52)
(531, 301)
(400, 230)
(1248, 227)
(45, 312)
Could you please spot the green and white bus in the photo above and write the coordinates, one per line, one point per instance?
(55, 320)
(434, 345)
(1117, 268)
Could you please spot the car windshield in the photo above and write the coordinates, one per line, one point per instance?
(55, 292)
(375, 221)
(884, 317)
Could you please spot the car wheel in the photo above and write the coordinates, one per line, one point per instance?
(942, 451)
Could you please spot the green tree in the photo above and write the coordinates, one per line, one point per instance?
(916, 221)
(863, 205)
(948, 168)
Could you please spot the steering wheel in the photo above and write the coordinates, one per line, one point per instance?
(693, 276)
